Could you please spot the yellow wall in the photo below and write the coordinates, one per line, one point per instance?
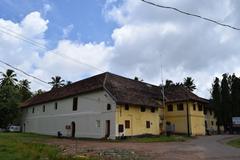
(212, 122)
(179, 119)
(137, 120)
(197, 119)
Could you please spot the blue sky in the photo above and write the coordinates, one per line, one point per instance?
(85, 16)
(126, 37)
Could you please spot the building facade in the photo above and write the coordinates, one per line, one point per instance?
(111, 106)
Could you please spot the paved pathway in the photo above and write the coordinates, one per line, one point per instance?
(201, 148)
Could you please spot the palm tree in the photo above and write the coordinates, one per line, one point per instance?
(9, 78)
(189, 84)
(57, 82)
(24, 84)
(24, 89)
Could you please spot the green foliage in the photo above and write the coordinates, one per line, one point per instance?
(57, 82)
(11, 95)
(22, 146)
(162, 138)
(24, 90)
(189, 84)
(234, 143)
(226, 99)
(9, 102)
(8, 78)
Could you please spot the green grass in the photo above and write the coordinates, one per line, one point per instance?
(19, 146)
(234, 143)
(162, 138)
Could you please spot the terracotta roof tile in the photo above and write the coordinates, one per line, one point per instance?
(123, 91)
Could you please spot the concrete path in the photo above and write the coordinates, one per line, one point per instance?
(214, 147)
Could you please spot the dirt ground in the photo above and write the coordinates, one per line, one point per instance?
(200, 148)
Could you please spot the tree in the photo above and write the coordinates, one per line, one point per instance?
(38, 92)
(138, 79)
(216, 102)
(24, 90)
(9, 78)
(68, 83)
(189, 84)
(9, 102)
(235, 95)
(168, 83)
(226, 102)
(57, 82)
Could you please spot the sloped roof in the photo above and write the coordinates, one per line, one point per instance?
(123, 91)
(176, 93)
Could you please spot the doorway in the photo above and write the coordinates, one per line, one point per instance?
(107, 128)
(73, 126)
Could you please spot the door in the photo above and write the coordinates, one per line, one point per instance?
(107, 128)
(73, 126)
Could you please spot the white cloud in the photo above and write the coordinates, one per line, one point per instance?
(67, 30)
(46, 8)
(45, 64)
(147, 37)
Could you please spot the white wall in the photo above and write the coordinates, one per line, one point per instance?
(91, 107)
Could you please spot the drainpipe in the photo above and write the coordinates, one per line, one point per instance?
(188, 129)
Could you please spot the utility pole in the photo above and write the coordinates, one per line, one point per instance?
(163, 93)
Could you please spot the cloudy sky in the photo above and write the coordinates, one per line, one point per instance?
(126, 37)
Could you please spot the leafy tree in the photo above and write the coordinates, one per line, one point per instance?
(216, 102)
(189, 84)
(9, 102)
(168, 83)
(24, 90)
(235, 95)
(38, 92)
(57, 82)
(226, 101)
(9, 78)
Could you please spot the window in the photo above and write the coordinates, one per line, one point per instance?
(205, 111)
(170, 108)
(152, 110)
(180, 107)
(212, 123)
(210, 112)
(109, 106)
(56, 105)
(127, 124)
(143, 109)
(148, 124)
(43, 108)
(126, 107)
(33, 109)
(120, 128)
(98, 123)
(194, 107)
(75, 103)
(200, 108)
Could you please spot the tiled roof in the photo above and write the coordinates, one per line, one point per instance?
(123, 91)
(176, 93)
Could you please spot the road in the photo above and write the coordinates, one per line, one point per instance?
(200, 148)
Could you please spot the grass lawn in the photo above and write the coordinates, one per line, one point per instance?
(162, 138)
(19, 146)
(234, 143)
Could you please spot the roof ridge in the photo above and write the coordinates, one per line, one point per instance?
(132, 79)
